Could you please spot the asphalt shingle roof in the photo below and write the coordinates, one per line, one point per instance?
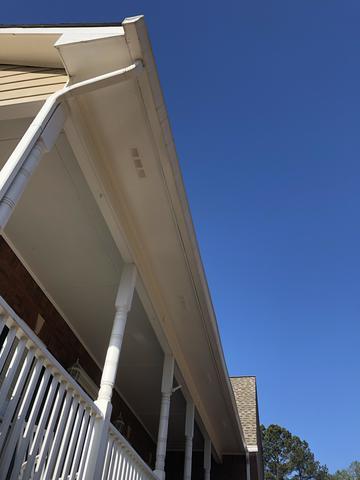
(245, 395)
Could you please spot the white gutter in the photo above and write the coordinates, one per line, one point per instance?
(42, 134)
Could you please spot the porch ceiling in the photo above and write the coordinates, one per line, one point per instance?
(59, 232)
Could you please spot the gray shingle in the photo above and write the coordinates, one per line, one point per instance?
(245, 395)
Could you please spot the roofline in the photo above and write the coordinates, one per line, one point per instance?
(60, 25)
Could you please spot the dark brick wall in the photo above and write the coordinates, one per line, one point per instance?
(23, 294)
(233, 467)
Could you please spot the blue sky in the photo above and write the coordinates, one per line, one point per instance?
(264, 99)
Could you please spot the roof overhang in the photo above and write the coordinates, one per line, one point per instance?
(148, 215)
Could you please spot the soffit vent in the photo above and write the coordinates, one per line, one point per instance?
(138, 163)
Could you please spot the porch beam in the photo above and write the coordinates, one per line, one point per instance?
(166, 391)
(189, 435)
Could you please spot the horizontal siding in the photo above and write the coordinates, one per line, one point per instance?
(20, 84)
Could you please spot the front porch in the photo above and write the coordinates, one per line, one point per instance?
(60, 277)
(102, 276)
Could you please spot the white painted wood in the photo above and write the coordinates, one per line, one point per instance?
(248, 471)
(18, 423)
(10, 374)
(122, 305)
(65, 439)
(17, 187)
(6, 346)
(166, 391)
(23, 442)
(40, 432)
(94, 464)
(86, 452)
(55, 424)
(55, 444)
(207, 458)
(189, 434)
(15, 396)
(107, 457)
(79, 445)
(49, 432)
(72, 443)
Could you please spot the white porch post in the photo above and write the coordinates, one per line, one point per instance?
(166, 391)
(122, 305)
(248, 473)
(97, 447)
(207, 458)
(12, 189)
(189, 434)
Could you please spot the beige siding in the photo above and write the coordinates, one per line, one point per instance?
(20, 84)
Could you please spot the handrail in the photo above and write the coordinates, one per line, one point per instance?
(113, 432)
(47, 421)
(42, 352)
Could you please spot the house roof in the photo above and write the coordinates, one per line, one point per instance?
(168, 258)
(246, 400)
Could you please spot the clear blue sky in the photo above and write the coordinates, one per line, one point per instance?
(264, 98)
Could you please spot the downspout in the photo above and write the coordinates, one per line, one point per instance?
(42, 134)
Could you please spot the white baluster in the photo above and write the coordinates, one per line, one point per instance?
(49, 432)
(14, 399)
(107, 459)
(10, 374)
(5, 349)
(40, 431)
(72, 443)
(28, 432)
(79, 445)
(19, 421)
(65, 438)
(85, 452)
(54, 447)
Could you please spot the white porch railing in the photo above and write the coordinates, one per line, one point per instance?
(121, 460)
(46, 419)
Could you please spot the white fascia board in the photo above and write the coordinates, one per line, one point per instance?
(61, 30)
(140, 47)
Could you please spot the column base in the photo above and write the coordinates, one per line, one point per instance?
(160, 474)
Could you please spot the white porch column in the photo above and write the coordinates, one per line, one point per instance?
(97, 447)
(166, 391)
(11, 189)
(207, 458)
(248, 473)
(122, 305)
(189, 434)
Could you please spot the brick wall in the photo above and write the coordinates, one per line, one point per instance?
(23, 294)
